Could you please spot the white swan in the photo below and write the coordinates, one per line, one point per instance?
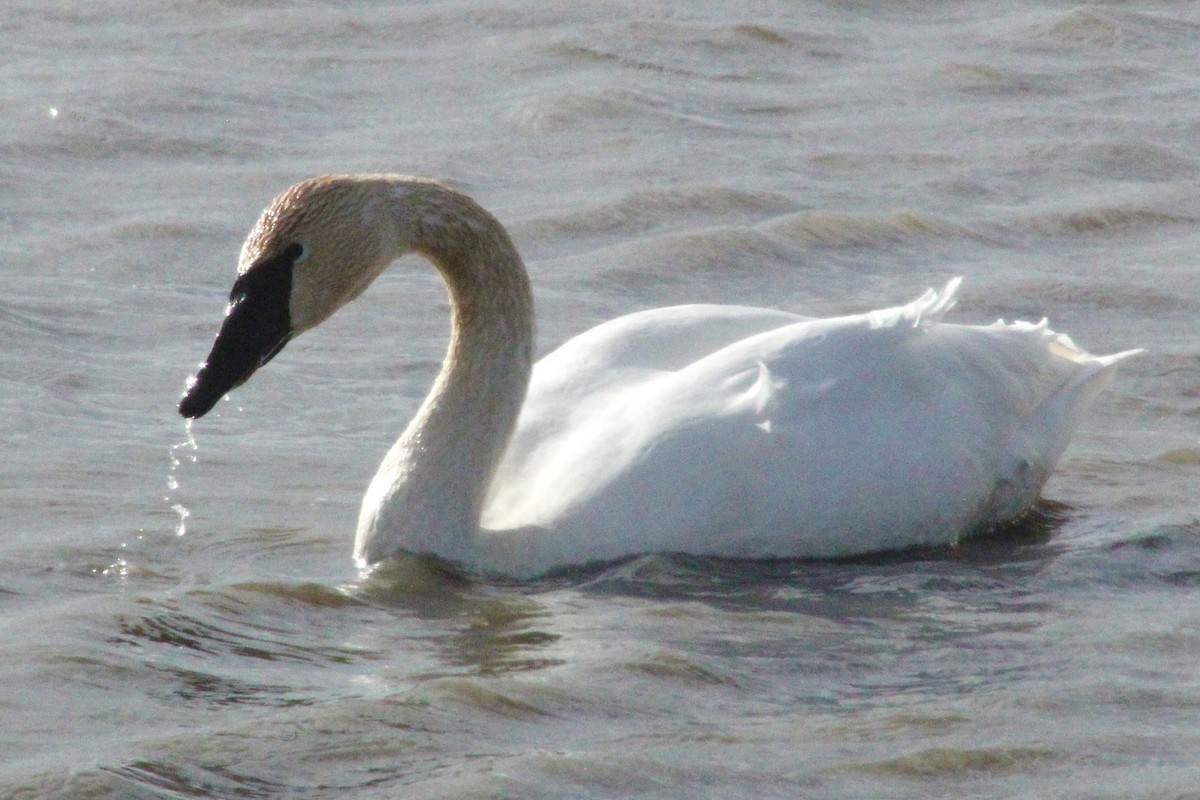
(711, 430)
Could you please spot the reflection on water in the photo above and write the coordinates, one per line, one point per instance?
(473, 627)
(1006, 554)
(494, 626)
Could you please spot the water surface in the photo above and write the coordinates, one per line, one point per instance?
(186, 622)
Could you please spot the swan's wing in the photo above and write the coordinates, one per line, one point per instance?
(602, 398)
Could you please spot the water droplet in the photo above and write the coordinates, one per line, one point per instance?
(183, 513)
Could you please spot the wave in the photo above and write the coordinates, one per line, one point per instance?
(646, 210)
(1116, 27)
(841, 229)
(1096, 221)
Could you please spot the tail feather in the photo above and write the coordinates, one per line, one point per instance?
(924, 312)
(929, 309)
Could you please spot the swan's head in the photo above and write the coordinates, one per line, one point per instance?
(316, 247)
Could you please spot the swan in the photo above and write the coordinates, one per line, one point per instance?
(705, 429)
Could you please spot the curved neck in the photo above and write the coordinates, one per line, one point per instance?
(428, 494)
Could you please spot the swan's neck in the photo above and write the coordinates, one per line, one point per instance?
(428, 495)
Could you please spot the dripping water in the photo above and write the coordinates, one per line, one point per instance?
(181, 451)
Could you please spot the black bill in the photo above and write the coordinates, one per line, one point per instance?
(257, 325)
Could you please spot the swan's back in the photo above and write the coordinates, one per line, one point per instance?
(770, 435)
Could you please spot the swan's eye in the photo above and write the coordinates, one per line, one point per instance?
(296, 252)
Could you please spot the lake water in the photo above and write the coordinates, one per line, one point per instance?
(185, 621)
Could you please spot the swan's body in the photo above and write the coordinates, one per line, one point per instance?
(711, 430)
